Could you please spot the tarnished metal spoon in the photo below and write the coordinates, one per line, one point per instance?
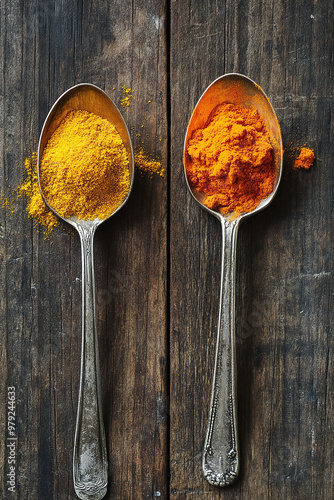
(221, 449)
(90, 462)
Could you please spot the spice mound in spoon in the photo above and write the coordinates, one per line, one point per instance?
(84, 168)
(231, 160)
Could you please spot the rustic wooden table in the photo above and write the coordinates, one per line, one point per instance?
(158, 260)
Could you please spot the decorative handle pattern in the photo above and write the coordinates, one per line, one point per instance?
(221, 450)
(90, 464)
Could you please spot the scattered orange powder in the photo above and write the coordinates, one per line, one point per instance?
(231, 160)
(305, 159)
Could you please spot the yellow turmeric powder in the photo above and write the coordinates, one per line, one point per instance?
(127, 97)
(40, 212)
(84, 167)
(147, 165)
(231, 160)
(36, 207)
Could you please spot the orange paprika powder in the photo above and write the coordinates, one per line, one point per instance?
(305, 159)
(231, 160)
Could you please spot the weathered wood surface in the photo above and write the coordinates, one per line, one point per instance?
(46, 48)
(158, 260)
(284, 301)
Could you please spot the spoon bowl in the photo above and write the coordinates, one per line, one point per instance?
(90, 462)
(84, 97)
(221, 460)
(240, 90)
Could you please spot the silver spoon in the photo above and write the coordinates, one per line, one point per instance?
(221, 450)
(90, 462)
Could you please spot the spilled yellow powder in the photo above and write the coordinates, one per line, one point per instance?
(147, 165)
(36, 207)
(40, 212)
(127, 97)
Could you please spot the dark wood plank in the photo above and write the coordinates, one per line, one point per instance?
(284, 295)
(284, 277)
(46, 48)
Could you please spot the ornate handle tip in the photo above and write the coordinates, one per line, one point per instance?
(220, 479)
(91, 491)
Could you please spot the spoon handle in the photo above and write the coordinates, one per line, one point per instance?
(90, 465)
(221, 453)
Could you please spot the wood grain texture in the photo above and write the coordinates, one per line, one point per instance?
(284, 297)
(46, 48)
(158, 259)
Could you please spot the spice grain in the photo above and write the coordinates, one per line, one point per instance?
(305, 159)
(84, 169)
(231, 160)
